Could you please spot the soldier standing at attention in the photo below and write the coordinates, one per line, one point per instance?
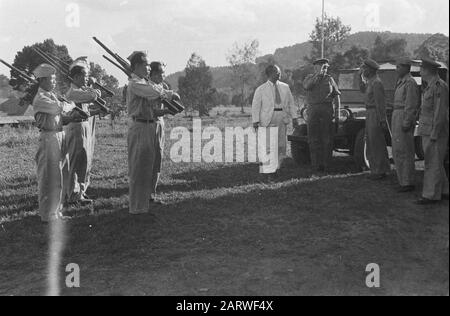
(434, 129)
(321, 90)
(406, 105)
(51, 114)
(80, 137)
(376, 120)
(157, 78)
(142, 97)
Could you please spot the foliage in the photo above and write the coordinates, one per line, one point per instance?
(195, 87)
(334, 32)
(27, 59)
(242, 59)
(389, 50)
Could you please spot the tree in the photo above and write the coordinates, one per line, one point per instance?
(352, 58)
(435, 47)
(389, 50)
(28, 59)
(242, 59)
(195, 87)
(334, 32)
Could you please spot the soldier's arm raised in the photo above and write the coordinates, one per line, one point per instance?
(311, 81)
(149, 91)
(83, 96)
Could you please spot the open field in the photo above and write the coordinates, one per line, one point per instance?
(224, 231)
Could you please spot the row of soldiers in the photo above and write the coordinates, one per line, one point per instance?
(432, 108)
(67, 138)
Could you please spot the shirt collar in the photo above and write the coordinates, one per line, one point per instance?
(433, 80)
(271, 83)
(136, 78)
(405, 78)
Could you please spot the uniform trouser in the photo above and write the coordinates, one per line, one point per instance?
(159, 152)
(141, 162)
(403, 149)
(435, 183)
(376, 144)
(80, 138)
(51, 158)
(320, 134)
(281, 141)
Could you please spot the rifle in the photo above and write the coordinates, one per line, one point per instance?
(96, 85)
(99, 101)
(173, 106)
(20, 73)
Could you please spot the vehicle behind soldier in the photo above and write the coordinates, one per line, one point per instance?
(322, 91)
(406, 105)
(376, 120)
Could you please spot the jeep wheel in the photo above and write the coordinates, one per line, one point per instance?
(360, 152)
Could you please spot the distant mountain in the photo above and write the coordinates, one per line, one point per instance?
(293, 57)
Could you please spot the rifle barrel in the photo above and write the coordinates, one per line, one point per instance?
(20, 72)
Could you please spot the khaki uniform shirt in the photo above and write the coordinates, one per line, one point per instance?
(434, 119)
(407, 98)
(48, 111)
(320, 89)
(139, 93)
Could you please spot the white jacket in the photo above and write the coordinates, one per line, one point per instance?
(264, 104)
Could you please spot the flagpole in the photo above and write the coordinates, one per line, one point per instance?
(323, 28)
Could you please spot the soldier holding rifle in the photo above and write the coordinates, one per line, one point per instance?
(143, 100)
(51, 113)
(81, 136)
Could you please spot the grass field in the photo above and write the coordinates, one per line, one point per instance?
(224, 231)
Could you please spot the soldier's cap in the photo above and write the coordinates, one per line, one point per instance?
(405, 61)
(138, 57)
(371, 64)
(80, 62)
(430, 63)
(321, 61)
(44, 71)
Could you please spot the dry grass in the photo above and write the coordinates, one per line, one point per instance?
(224, 229)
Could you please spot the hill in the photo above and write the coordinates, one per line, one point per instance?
(292, 57)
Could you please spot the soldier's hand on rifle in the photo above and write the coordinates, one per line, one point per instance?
(176, 97)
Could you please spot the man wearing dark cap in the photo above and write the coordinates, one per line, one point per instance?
(406, 105)
(434, 129)
(376, 120)
(142, 96)
(321, 90)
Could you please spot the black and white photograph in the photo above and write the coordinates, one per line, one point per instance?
(224, 156)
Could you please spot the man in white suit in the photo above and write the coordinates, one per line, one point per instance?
(274, 106)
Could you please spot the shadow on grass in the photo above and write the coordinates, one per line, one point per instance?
(299, 237)
(232, 175)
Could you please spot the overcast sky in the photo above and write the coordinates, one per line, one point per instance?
(170, 30)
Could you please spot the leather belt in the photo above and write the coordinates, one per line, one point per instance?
(278, 110)
(143, 121)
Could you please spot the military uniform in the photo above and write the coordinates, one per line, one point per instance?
(406, 105)
(434, 129)
(321, 91)
(51, 156)
(160, 141)
(375, 101)
(80, 139)
(142, 98)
